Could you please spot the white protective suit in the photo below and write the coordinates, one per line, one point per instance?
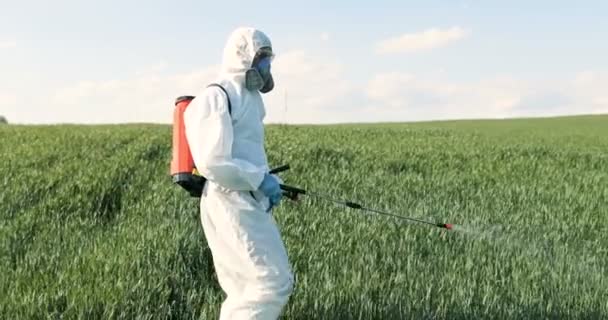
(248, 253)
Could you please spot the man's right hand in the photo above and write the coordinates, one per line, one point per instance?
(271, 188)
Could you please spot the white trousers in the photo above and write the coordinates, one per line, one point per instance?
(248, 254)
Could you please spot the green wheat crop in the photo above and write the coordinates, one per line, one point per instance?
(91, 226)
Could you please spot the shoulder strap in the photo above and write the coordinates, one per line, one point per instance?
(226, 93)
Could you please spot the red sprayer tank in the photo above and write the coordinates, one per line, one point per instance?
(183, 170)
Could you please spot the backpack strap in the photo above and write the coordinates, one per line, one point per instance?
(226, 93)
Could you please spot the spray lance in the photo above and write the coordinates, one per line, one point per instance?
(293, 193)
(184, 173)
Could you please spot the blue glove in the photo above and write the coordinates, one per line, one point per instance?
(270, 188)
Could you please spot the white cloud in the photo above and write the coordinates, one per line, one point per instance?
(419, 98)
(321, 90)
(8, 44)
(7, 99)
(8, 106)
(426, 40)
(147, 97)
(325, 36)
(589, 90)
(408, 97)
(315, 88)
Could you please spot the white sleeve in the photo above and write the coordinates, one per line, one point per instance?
(209, 133)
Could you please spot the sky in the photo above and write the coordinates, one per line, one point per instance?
(341, 61)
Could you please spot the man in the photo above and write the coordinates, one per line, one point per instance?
(225, 133)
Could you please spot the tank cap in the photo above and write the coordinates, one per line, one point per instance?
(183, 98)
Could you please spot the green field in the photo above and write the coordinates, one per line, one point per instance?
(91, 226)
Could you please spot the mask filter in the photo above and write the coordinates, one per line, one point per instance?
(254, 80)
